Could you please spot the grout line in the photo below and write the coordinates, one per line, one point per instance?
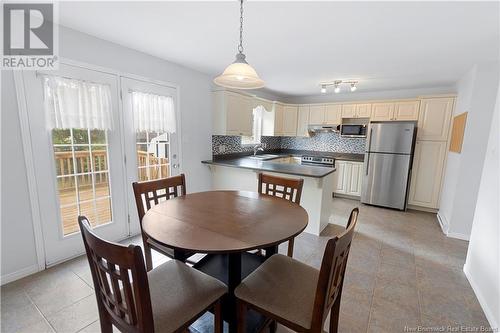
(373, 293)
(88, 326)
(39, 311)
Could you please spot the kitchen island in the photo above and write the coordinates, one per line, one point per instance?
(239, 172)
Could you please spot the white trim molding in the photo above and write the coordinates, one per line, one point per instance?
(490, 316)
(30, 172)
(19, 274)
(445, 227)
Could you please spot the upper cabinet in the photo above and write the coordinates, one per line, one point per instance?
(382, 112)
(232, 113)
(403, 110)
(434, 118)
(290, 120)
(278, 119)
(356, 110)
(317, 114)
(407, 110)
(302, 120)
(333, 115)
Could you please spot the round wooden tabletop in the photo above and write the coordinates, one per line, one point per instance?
(224, 221)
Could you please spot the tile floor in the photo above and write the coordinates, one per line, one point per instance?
(402, 272)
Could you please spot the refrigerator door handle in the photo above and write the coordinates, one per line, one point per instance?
(368, 157)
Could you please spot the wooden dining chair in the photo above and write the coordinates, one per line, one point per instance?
(296, 295)
(285, 188)
(150, 193)
(166, 299)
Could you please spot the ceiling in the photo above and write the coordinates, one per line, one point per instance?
(296, 45)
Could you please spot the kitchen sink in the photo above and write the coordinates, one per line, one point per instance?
(264, 157)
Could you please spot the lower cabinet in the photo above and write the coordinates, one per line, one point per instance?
(427, 173)
(348, 177)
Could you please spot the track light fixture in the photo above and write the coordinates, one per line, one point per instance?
(337, 85)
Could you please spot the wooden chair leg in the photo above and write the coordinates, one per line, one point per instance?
(290, 247)
(273, 327)
(106, 326)
(218, 322)
(241, 316)
(334, 316)
(147, 255)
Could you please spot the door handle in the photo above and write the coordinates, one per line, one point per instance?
(175, 165)
(369, 145)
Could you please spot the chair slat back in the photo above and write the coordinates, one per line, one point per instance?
(332, 271)
(150, 193)
(285, 188)
(120, 282)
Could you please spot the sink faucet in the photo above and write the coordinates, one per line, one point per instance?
(256, 148)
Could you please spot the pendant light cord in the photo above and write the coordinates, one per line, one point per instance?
(240, 47)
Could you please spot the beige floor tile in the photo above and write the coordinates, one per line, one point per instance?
(75, 317)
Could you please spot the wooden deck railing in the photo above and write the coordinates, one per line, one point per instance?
(64, 167)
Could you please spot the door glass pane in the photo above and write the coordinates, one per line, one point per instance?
(153, 149)
(81, 163)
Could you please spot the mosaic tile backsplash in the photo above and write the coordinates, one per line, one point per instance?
(327, 142)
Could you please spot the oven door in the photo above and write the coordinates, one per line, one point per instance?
(353, 131)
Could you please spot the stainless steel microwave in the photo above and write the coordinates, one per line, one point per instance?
(353, 130)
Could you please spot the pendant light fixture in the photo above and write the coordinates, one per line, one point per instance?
(239, 75)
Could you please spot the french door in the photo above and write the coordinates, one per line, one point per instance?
(150, 154)
(78, 171)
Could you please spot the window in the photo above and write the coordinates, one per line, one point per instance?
(81, 162)
(258, 119)
(152, 155)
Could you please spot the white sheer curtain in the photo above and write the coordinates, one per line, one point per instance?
(153, 113)
(72, 103)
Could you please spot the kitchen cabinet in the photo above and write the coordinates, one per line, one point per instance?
(406, 110)
(302, 120)
(317, 114)
(348, 177)
(278, 119)
(329, 114)
(232, 113)
(356, 110)
(333, 114)
(434, 118)
(382, 112)
(290, 120)
(427, 173)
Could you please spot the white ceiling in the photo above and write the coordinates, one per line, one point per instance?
(295, 45)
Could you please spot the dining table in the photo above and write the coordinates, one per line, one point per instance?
(226, 226)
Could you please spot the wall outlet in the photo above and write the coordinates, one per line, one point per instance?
(264, 145)
(222, 149)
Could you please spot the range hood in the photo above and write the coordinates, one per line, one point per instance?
(323, 128)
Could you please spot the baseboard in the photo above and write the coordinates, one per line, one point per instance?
(19, 274)
(445, 227)
(422, 209)
(443, 223)
(487, 311)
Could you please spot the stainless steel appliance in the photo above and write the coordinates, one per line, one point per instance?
(354, 127)
(326, 161)
(387, 165)
(322, 128)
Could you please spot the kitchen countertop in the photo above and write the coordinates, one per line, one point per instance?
(292, 169)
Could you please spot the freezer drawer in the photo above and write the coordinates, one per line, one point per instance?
(385, 180)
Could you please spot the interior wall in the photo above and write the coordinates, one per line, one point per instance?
(464, 88)
(482, 265)
(18, 248)
(478, 99)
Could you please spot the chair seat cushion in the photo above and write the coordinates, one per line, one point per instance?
(179, 292)
(282, 286)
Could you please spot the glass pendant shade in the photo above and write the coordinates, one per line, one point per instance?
(239, 75)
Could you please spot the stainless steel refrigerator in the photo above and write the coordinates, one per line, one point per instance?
(387, 165)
